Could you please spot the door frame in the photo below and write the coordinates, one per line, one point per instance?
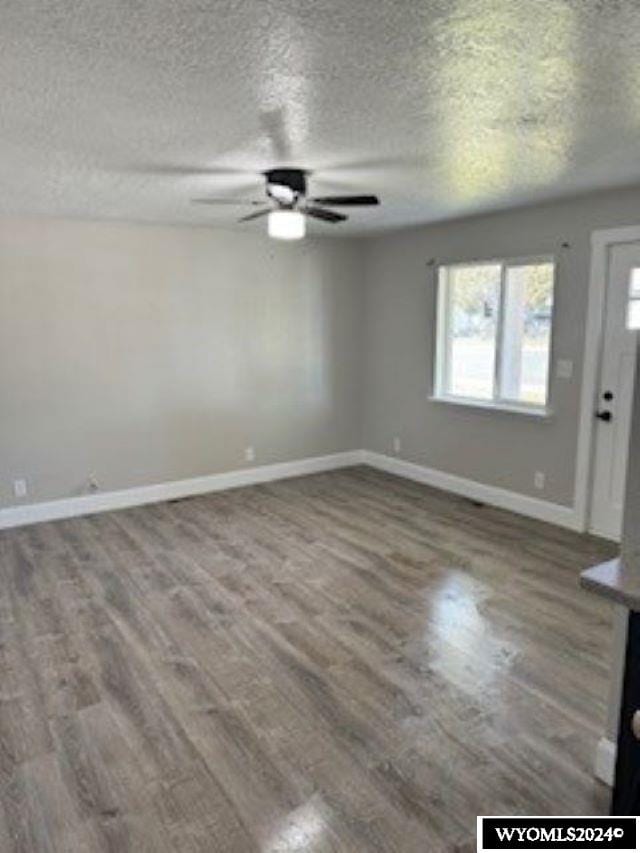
(601, 243)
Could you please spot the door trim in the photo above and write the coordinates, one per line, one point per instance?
(601, 242)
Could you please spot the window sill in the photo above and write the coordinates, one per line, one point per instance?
(540, 414)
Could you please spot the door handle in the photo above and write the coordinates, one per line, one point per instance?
(604, 416)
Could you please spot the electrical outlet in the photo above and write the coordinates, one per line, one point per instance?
(20, 488)
(249, 454)
(564, 368)
(397, 444)
(538, 479)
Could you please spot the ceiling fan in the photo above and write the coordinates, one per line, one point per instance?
(287, 204)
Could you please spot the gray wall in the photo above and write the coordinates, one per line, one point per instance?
(495, 448)
(144, 354)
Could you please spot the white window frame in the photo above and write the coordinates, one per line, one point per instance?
(442, 357)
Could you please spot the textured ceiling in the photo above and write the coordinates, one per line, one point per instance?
(128, 108)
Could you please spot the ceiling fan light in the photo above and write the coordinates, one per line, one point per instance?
(286, 225)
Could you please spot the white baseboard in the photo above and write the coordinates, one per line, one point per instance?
(563, 516)
(605, 765)
(16, 516)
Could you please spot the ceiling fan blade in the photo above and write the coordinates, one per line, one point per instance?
(180, 170)
(347, 200)
(255, 215)
(177, 170)
(253, 202)
(323, 214)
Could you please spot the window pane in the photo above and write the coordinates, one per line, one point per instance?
(633, 316)
(474, 300)
(634, 285)
(528, 307)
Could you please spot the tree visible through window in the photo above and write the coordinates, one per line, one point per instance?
(494, 331)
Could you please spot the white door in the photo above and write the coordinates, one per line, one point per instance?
(613, 410)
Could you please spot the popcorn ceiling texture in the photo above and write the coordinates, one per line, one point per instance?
(128, 108)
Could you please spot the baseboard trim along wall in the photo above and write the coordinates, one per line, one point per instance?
(16, 516)
(605, 766)
(553, 513)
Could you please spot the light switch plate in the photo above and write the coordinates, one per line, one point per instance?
(564, 368)
(20, 488)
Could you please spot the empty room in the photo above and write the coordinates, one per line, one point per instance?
(319, 418)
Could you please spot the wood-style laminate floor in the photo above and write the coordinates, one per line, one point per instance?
(341, 662)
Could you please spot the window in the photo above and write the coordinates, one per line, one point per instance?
(494, 332)
(633, 310)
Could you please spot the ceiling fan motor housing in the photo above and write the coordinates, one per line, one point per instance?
(294, 179)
